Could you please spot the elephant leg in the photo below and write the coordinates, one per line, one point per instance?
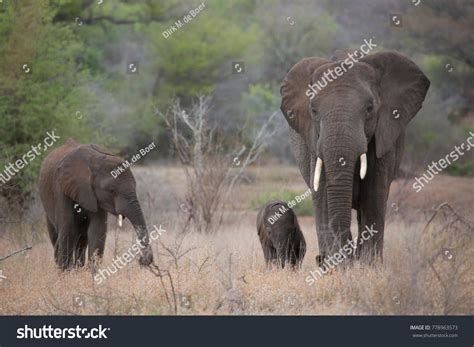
(96, 235)
(360, 225)
(360, 228)
(362, 250)
(279, 258)
(81, 247)
(297, 252)
(66, 245)
(53, 235)
(67, 234)
(371, 232)
(374, 195)
(371, 214)
(292, 255)
(82, 220)
(270, 254)
(291, 252)
(282, 255)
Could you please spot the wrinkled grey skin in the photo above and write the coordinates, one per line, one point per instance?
(77, 191)
(352, 115)
(282, 242)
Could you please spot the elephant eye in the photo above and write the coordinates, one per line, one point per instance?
(370, 108)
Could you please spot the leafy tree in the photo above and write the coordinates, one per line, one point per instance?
(204, 48)
(40, 87)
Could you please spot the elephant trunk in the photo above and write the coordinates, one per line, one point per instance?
(134, 213)
(339, 197)
(339, 167)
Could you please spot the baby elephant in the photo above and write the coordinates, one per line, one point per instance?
(280, 235)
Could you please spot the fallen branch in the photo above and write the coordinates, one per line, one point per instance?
(445, 205)
(16, 252)
(155, 270)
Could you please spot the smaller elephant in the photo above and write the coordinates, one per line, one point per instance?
(280, 235)
(78, 189)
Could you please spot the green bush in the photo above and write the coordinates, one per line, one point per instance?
(39, 90)
(303, 208)
(465, 169)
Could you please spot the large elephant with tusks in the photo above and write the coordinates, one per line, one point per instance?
(348, 136)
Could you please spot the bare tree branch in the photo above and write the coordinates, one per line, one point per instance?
(209, 170)
(16, 252)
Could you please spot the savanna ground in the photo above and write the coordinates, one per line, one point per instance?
(224, 273)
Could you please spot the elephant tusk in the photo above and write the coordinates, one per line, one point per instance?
(120, 220)
(363, 165)
(317, 173)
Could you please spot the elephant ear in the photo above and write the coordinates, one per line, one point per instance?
(402, 87)
(295, 103)
(75, 181)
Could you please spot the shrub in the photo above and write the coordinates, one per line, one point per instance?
(461, 169)
(303, 208)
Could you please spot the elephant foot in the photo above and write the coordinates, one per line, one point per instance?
(319, 260)
(64, 263)
(147, 257)
(328, 264)
(368, 256)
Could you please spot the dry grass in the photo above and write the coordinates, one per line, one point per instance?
(224, 273)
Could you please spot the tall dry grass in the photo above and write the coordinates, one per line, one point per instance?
(224, 273)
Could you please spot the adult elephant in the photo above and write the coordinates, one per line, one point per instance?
(348, 136)
(77, 191)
